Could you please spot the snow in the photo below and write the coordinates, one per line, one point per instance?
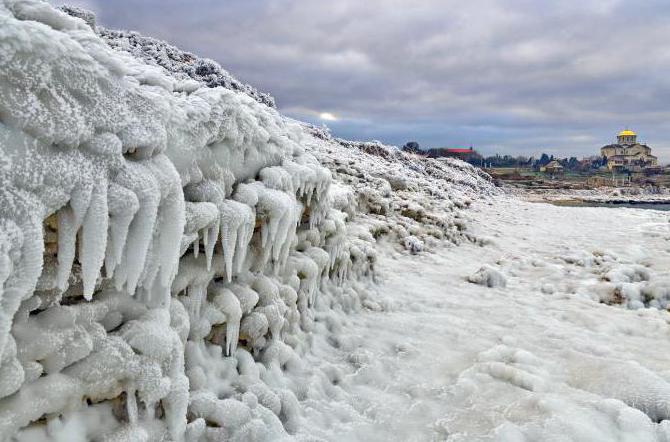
(179, 261)
(449, 359)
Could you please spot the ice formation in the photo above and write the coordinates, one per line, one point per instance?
(168, 240)
(489, 277)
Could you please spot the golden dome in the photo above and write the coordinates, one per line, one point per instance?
(626, 133)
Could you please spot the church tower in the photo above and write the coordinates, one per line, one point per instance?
(626, 137)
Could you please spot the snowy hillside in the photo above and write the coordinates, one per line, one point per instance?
(171, 246)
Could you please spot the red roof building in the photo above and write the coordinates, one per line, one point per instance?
(462, 153)
(459, 150)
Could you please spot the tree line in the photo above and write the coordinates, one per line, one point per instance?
(520, 161)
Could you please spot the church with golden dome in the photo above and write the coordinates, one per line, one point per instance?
(627, 154)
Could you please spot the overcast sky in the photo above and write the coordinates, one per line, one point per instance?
(507, 76)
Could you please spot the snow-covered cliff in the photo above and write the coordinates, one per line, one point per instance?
(169, 243)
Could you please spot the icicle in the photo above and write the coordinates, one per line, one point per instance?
(232, 336)
(236, 220)
(272, 226)
(206, 242)
(93, 239)
(122, 205)
(202, 219)
(150, 271)
(275, 319)
(69, 220)
(139, 237)
(229, 241)
(228, 303)
(140, 233)
(285, 236)
(205, 238)
(281, 236)
(211, 234)
(197, 294)
(321, 258)
(243, 240)
(278, 213)
(171, 218)
(309, 271)
(171, 227)
(310, 192)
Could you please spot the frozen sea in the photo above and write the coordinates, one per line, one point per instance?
(647, 206)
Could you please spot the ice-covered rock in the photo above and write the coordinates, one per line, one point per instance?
(488, 276)
(170, 243)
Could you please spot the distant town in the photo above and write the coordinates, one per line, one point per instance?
(625, 162)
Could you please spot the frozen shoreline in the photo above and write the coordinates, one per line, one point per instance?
(543, 358)
(601, 195)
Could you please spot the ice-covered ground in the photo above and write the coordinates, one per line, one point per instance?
(535, 358)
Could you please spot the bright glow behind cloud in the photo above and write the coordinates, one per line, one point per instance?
(327, 116)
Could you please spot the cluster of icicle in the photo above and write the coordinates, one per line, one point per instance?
(166, 247)
(161, 244)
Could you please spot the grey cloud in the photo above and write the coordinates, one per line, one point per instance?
(505, 75)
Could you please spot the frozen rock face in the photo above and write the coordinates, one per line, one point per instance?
(169, 242)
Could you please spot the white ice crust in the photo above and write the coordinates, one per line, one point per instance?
(167, 245)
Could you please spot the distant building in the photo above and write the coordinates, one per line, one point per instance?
(585, 164)
(464, 154)
(628, 154)
(553, 167)
(468, 154)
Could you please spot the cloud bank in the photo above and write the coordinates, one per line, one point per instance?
(507, 76)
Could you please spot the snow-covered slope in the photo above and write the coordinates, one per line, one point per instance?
(170, 244)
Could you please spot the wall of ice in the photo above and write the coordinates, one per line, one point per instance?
(169, 242)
